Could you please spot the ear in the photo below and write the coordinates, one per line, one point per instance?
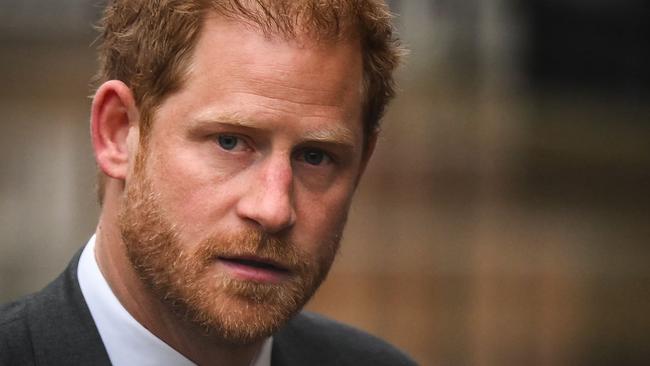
(113, 114)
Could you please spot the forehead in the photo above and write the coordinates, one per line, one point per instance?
(241, 49)
(235, 69)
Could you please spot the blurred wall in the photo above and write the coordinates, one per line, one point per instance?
(503, 220)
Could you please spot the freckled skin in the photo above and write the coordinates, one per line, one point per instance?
(282, 102)
(288, 89)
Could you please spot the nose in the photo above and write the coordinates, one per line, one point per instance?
(268, 200)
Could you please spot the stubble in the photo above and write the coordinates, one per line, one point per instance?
(183, 275)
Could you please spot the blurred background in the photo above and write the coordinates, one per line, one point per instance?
(504, 220)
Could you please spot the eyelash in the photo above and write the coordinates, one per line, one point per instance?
(237, 139)
(327, 158)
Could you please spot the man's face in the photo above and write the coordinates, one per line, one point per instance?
(234, 211)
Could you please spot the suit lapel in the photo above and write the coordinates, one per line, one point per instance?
(295, 344)
(61, 326)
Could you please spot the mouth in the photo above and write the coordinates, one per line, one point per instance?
(255, 269)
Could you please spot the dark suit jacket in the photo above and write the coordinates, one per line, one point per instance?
(54, 327)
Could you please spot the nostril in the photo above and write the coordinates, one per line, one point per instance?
(275, 219)
(268, 201)
(272, 212)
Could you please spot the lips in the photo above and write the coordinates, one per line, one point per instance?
(255, 269)
(258, 263)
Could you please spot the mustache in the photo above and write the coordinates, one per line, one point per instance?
(255, 243)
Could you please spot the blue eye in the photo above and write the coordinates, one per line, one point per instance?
(228, 142)
(314, 157)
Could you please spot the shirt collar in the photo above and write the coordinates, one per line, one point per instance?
(127, 342)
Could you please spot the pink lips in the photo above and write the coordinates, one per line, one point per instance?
(255, 269)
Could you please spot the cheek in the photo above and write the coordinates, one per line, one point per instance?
(194, 196)
(321, 218)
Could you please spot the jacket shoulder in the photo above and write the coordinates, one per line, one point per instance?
(315, 340)
(51, 327)
(15, 340)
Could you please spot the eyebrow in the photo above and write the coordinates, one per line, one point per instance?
(338, 135)
(335, 135)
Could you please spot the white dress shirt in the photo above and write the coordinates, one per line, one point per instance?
(127, 342)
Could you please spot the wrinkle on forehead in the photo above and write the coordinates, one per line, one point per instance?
(289, 74)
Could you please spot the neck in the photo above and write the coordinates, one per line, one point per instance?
(185, 337)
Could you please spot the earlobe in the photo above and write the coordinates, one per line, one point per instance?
(113, 114)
